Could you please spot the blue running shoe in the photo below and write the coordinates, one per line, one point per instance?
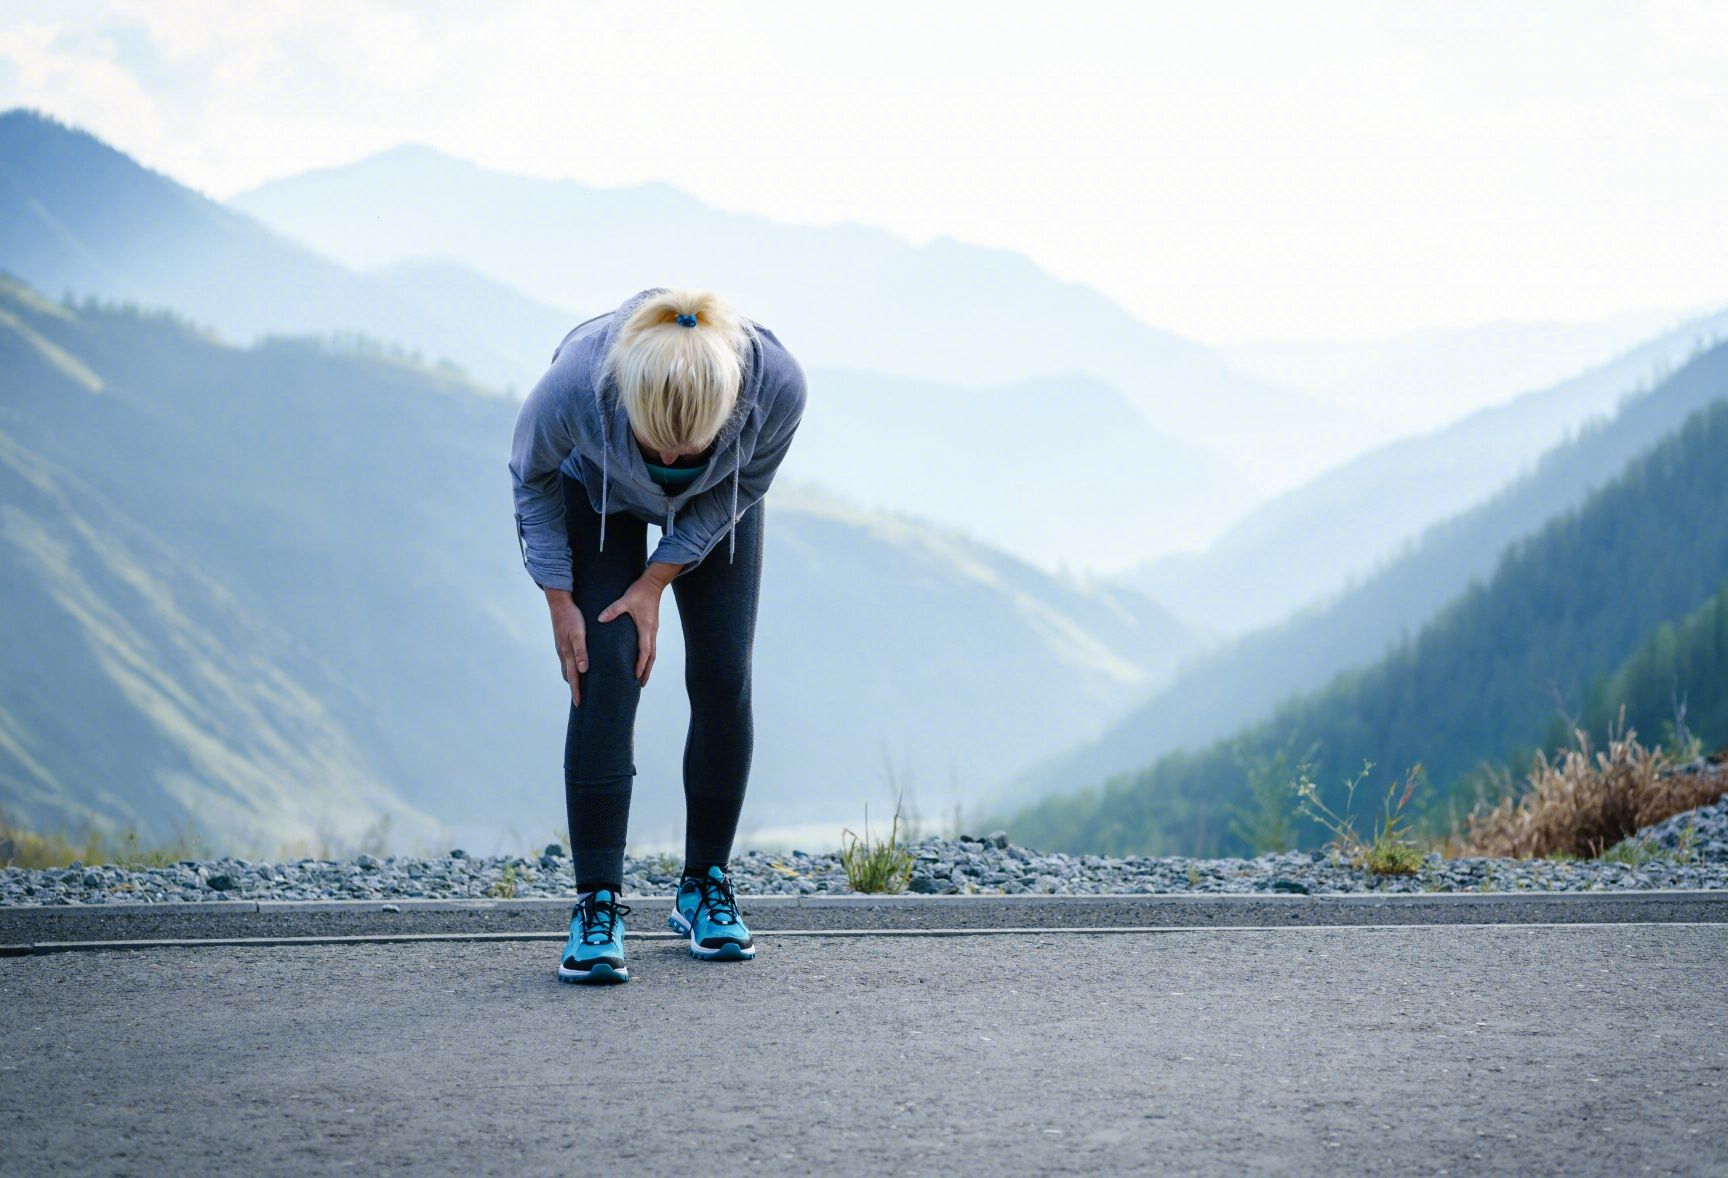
(595, 951)
(706, 911)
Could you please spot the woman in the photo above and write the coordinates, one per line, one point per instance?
(675, 410)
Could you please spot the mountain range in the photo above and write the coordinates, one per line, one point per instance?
(1341, 526)
(77, 216)
(1423, 380)
(1242, 682)
(1570, 612)
(840, 296)
(329, 602)
(205, 478)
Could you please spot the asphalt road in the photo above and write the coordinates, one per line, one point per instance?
(1412, 1049)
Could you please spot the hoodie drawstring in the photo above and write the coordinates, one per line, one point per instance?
(732, 530)
(605, 456)
(603, 464)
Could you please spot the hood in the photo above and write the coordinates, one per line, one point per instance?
(615, 421)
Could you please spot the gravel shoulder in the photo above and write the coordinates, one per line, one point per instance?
(1404, 1050)
(1687, 853)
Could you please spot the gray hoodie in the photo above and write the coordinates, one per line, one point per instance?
(570, 424)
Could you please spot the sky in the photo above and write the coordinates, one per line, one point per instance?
(1231, 171)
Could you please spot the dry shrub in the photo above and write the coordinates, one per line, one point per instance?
(1583, 802)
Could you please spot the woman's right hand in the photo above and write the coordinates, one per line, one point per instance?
(570, 635)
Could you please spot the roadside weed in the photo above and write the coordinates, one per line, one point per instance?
(1388, 851)
(505, 887)
(875, 865)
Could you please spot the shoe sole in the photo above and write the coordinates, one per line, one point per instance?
(732, 951)
(602, 974)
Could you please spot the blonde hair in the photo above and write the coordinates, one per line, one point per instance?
(679, 382)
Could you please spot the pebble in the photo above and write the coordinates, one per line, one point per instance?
(1688, 851)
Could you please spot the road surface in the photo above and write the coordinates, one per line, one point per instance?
(1372, 1048)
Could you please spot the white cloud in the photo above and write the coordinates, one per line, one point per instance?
(85, 85)
(263, 48)
(1229, 170)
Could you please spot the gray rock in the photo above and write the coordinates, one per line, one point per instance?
(997, 839)
(222, 882)
(924, 885)
(553, 851)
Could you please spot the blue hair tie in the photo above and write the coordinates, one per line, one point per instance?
(686, 321)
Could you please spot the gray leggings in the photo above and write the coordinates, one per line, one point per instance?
(717, 607)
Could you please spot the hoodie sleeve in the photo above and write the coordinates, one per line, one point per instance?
(702, 522)
(542, 441)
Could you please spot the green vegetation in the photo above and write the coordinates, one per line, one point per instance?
(1265, 826)
(1388, 850)
(1564, 609)
(879, 865)
(504, 888)
(1675, 684)
(1245, 682)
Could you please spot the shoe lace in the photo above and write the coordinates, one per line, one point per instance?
(599, 919)
(717, 896)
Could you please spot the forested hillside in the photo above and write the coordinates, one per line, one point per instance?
(1675, 685)
(1477, 684)
(1243, 682)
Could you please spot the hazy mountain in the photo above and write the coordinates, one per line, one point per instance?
(1058, 471)
(1422, 380)
(138, 693)
(840, 296)
(1340, 526)
(1478, 684)
(521, 330)
(362, 506)
(887, 644)
(76, 215)
(1243, 682)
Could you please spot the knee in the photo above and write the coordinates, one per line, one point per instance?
(612, 648)
(717, 682)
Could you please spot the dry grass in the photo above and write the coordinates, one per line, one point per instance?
(26, 848)
(1584, 801)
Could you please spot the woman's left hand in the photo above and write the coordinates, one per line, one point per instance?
(642, 602)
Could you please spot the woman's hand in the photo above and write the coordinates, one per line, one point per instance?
(642, 602)
(570, 636)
